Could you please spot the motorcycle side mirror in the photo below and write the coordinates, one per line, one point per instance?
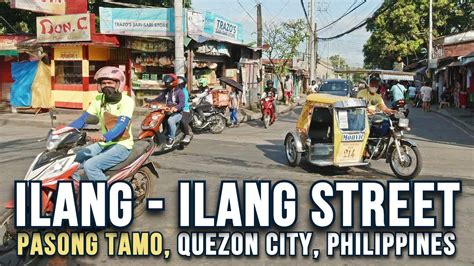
(92, 120)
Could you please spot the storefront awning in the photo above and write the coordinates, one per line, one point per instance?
(8, 53)
(96, 39)
(467, 59)
(396, 77)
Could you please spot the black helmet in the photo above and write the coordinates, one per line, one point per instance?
(269, 82)
(182, 80)
(374, 79)
(170, 80)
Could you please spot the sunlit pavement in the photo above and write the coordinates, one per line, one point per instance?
(251, 152)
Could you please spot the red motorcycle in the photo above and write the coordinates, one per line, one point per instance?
(268, 111)
(57, 163)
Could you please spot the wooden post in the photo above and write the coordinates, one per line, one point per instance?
(190, 70)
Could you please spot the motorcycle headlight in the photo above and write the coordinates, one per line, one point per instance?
(403, 122)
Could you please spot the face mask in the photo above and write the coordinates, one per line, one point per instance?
(373, 89)
(111, 95)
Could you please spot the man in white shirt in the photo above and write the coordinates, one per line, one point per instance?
(426, 92)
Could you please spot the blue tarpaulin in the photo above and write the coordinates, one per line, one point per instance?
(23, 74)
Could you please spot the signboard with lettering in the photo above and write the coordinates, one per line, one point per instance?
(73, 53)
(221, 28)
(138, 21)
(57, 7)
(10, 42)
(67, 28)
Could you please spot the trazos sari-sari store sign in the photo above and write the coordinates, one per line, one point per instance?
(220, 28)
(57, 7)
(67, 28)
(138, 21)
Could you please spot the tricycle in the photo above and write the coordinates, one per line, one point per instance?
(336, 131)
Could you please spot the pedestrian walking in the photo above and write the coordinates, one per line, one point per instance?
(234, 106)
(288, 89)
(426, 92)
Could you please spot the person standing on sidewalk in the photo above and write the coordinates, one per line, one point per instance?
(288, 89)
(426, 92)
(234, 107)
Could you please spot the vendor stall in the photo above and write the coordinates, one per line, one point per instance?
(77, 52)
(8, 55)
(151, 58)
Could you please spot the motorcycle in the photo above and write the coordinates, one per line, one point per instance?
(57, 163)
(214, 120)
(400, 106)
(154, 126)
(268, 111)
(387, 140)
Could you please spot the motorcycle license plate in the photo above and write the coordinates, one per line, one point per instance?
(349, 152)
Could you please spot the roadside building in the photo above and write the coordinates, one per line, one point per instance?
(451, 70)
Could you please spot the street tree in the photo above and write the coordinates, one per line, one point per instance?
(400, 34)
(283, 40)
(339, 63)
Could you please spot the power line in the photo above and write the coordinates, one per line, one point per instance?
(306, 15)
(240, 4)
(361, 24)
(343, 15)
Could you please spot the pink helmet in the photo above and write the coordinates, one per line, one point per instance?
(112, 73)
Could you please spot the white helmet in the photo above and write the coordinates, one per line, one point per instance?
(111, 73)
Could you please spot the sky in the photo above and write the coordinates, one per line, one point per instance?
(277, 11)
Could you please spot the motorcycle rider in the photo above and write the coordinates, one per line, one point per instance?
(203, 101)
(186, 111)
(175, 98)
(374, 100)
(114, 111)
(269, 91)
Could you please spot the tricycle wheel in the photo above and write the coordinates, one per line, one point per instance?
(292, 155)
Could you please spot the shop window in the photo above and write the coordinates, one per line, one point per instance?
(68, 72)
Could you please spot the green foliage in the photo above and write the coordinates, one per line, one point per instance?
(338, 62)
(284, 40)
(22, 21)
(401, 32)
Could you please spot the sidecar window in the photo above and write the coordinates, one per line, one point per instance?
(321, 127)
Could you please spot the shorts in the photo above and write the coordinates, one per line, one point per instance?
(426, 100)
(287, 94)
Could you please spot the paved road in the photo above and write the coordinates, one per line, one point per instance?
(253, 153)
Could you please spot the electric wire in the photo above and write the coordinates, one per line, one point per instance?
(343, 15)
(243, 8)
(360, 25)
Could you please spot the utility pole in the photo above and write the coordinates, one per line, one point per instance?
(308, 41)
(178, 38)
(312, 57)
(430, 37)
(259, 25)
(315, 48)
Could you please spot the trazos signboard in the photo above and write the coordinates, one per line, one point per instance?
(67, 28)
(57, 7)
(221, 28)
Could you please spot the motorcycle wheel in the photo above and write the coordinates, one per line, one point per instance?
(216, 124)
(7, 231)
(411, 165)
(142, 183)
(266, 120)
